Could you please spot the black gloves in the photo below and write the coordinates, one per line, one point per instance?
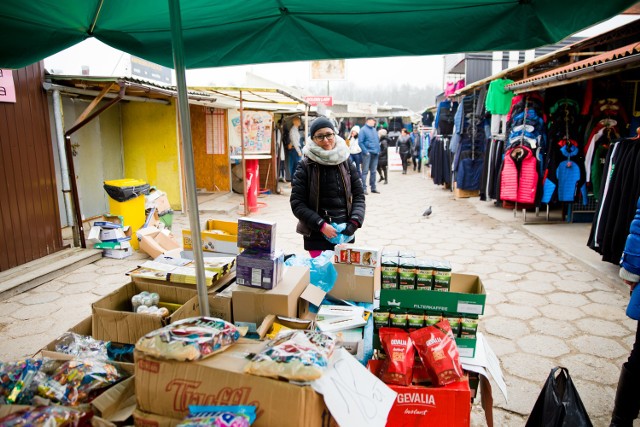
(350, 229)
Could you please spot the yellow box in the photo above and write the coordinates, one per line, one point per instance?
(218, 236)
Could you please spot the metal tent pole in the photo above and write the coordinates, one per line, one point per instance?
(247, 211)
(185, 130)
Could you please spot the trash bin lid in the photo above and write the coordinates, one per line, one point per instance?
(125, 182)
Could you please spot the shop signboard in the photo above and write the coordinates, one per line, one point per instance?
(7, 88)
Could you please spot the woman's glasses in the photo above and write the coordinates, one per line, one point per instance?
(327, 136)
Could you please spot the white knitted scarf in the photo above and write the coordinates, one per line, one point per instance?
(338, 154)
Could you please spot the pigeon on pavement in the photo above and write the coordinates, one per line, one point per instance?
(427, 212)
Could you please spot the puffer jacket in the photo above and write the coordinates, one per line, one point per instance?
(322, 194)
(519, 178)
(369, 140)
(630, 260)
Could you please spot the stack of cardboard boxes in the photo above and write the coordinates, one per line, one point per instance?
(111, 236)
(260, 264)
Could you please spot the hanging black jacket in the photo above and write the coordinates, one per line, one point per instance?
(328, 194)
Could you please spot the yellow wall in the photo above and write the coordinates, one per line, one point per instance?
(149, 136)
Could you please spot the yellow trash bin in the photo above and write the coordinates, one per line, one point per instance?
(126, 198)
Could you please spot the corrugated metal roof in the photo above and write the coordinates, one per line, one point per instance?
(253, 95)
(622, 52)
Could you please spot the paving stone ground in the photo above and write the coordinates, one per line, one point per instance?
(544, 307)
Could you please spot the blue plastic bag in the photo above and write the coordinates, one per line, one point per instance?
(340, 238)
(323, 273)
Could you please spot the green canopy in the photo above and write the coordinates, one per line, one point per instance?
(232, 32)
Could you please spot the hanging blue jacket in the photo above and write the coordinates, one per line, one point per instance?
(368, 140)
(630, 260)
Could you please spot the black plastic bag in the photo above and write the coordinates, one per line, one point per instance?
(559, 403)
(123, 194)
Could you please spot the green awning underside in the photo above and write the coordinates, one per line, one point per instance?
(232, 32)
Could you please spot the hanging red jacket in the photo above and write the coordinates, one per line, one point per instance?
(519, 177)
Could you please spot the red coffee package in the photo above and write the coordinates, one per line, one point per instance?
(439, 353)
(398, 366)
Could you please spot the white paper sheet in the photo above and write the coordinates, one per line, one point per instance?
(354, 396)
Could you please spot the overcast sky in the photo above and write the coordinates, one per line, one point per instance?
(419, 71)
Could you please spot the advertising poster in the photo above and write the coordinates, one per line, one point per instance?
(258, 126)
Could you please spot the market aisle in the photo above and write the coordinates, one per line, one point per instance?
(544, 308)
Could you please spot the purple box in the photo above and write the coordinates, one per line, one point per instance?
(259, 269)
(258, 235)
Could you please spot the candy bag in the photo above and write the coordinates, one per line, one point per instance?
(74, 382)
(439, 353)
(83, 347)
(189, 339)
(49, 416)
(398, 366)
(219, 416)
(16, 381)
(296, 355)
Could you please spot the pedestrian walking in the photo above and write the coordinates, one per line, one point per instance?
(403, 147)
(370, 145)
(326, 189)
(627, 403)
(416, 149)
(294, 148)
(383, 157)
(354, 148)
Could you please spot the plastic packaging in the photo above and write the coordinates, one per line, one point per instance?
(439, 353)
(75, 382)
(16, 381)
(295, 355)
(340, 238)
(49, 416)
(398, 366)
(82, 347)
(189, 339)
(220, 416)
(322, 272)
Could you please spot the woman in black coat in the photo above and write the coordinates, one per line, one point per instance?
(326, 189)
(404, 148)
(383, 169)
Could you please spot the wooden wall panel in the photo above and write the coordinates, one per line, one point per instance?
(30, 221)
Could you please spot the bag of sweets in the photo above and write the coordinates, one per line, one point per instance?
(294, 355)
(398, 366)
(439, 353)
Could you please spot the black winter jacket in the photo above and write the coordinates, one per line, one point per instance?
(384, 145)
(325, 200)
(404, 145)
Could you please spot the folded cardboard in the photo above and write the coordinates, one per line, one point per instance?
(166, 388)
(157, 199)
(350, 253)
(287, 322)
(356, 283)
(259, 269)
(251, 305)
(218, 236)
(145, 419)
(114, 319)
(429, 406)
(467, 296)
(256, 234)
(155, 242)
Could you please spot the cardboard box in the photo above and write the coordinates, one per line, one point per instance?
(259, 235)
(218, 236)
(155, 242)
(145, 419)
(114, 319)
(125, 252)
(467, 296)
(259, 269)
(349, 253)
(430, 406)
(356, 283)
(166, 388)
(157, 199)
(251, 305)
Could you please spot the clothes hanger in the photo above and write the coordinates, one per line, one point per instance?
(637, 137)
